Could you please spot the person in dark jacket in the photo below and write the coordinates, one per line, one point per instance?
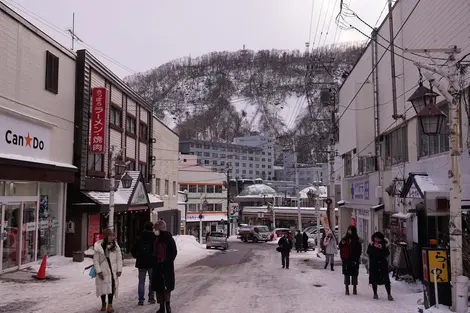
(378, 251)
(285, 243)
(350, 250)
(298, 242)
(142, 251)
(305, 241)
(163, 272)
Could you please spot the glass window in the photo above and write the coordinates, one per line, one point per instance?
(29, 232)
(167, 187)
(116, 117)
(49, 218)
(11, 227)
(192, 188)
(157, 185)
(201, 188)
(210, 189)
(20, 188)
(174, 188)
(218, 189)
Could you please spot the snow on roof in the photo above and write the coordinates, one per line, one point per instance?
(402, 215)
(320, 191)
(425, 183)
(35, 160)
(155, 198)
(257, 190)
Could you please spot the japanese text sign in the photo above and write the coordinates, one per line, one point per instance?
(438, 261)
(98, 120)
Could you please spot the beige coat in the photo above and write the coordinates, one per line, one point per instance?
(105, 286)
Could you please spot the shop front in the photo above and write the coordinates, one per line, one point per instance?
(211, 221)
(362, 207)
(32, 193)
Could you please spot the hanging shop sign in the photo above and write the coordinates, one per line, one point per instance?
(98, 121)
(359, 190)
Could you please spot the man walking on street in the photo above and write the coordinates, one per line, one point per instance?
(285, 243)
(143, 252)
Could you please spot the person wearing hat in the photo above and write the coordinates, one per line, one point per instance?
(107, 261)
(378, 251)
(163, 272)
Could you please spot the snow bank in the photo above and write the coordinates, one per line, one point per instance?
(441, 309)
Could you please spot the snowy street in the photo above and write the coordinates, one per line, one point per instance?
(246, 278)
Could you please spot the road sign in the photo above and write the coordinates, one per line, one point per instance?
(328, 201)
(200, 216)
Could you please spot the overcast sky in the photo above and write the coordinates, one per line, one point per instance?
(133, 36)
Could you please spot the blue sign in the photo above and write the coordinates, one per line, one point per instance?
(366, 190)
(360, 190)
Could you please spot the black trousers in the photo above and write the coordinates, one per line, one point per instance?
(110, 296)
(387, 287)
(285, 258)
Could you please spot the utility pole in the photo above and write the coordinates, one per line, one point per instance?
(228, 201)
(453, 97)
(72, 33)
(392, 61)
(297, 191)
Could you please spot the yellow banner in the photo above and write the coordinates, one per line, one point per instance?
(438, 260)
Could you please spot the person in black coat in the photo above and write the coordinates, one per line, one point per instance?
(305, 241)
(143, 252)
(163, 272)
(285, 245)
(298, 242)
(378, 251)
(350, 250)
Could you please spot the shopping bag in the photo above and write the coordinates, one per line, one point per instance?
(92, 272)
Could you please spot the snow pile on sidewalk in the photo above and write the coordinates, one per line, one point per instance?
(189, 250)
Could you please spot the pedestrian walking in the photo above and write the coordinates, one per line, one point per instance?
(378, 251)
(298, 241)
(285, 245)
(305, 241)
(143, 252)
(163, 272)
(107, 261)
(350, 252)
(330, 250)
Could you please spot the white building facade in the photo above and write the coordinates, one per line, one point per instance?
(206, 194)
(165, 164)
(37, 96)
(377, 152)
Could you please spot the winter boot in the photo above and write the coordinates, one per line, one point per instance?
(140, 302)
(152, 301)
(103, 307)
(110, 309)
(354, 290)
(326, 265)
(390, 298)
(376, 296)
(162, 308)
(347, 290)
(332, 267)
(168, 307)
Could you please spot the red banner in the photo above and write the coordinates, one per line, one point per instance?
(93, 227)
(98, 120)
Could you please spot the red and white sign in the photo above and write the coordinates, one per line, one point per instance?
(353, 221)
(98, 120)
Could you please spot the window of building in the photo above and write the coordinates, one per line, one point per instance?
(199, 153)
(396, 146)
(157, 186)
(222, 156)
(434, 144)
(222, 163)
(198, 146)
(192, 207)
(199, 161)
(214, 155)
(130, 125)
(95, 164)
(244, 157)
(201, 188)
(183, 187)
(229, 156)
(167, 187)
(144, 132)
(263, 160)
(207, 154)
(143, 169)
(52, 73)
(215, 147)
(218, 189)
(250, 172)
(243, 164)
(116, 117)
(174, 189)
(192, 188)
(237, 157)
(206, 162)
(257, 165)
(210, 188)
(347, 163)
(131, 164)
(214, 162)
(207, 147)
(230, 149)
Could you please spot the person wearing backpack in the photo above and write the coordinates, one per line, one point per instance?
(142, 251)
(350, 248)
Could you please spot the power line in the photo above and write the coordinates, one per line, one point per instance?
(311, 22)
(57, 29)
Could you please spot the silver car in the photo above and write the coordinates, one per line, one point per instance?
(216, 240)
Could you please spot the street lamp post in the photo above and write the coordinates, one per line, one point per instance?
(203, 208)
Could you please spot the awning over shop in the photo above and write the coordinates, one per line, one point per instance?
(378, 207)
(126, 199)
(417, 184)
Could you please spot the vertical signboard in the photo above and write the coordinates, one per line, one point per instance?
(98, 120)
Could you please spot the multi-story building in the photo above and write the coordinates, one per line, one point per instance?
(245, 161)
(378, 153)
(37, 93)
(206, 194)
(165, 165)
(125, 124)
(308, 174)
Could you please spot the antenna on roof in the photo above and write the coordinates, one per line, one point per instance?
(72, 33)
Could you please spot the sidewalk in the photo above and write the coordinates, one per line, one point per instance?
(20, 292)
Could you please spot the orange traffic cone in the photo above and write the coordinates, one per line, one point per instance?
(42, 269)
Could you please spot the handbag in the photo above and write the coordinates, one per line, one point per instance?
(92, 272)
(279, 249)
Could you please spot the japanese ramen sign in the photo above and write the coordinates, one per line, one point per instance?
(98, 120)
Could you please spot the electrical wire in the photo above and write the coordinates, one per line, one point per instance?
(311, 23)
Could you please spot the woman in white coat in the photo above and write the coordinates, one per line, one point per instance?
(107, 261)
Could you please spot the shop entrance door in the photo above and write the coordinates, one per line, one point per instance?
(18, 234)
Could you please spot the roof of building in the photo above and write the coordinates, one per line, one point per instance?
(257, 190)
(5, 8)
(224, 144)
